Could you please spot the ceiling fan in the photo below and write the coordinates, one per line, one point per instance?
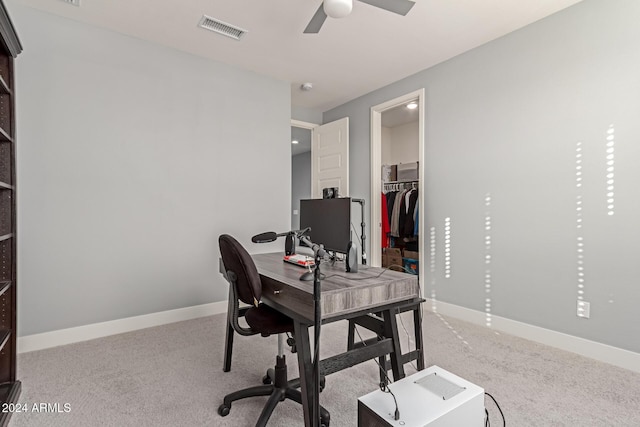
(341, 8)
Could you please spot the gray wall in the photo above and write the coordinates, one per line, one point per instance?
(300, 184)
(132, 159)
(505, 120)
(309, 115)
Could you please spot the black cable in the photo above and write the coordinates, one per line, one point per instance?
(383, 385)
(409, 338)
(385, 388)
(504, 422)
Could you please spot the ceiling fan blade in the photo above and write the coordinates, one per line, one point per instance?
(401, 7)
(316, 22)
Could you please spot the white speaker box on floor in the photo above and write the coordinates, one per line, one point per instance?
(432, 397)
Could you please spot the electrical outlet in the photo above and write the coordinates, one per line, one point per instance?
(584, 309)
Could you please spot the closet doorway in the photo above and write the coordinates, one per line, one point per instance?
(397, 135)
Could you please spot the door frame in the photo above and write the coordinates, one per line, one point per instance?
(376, 176)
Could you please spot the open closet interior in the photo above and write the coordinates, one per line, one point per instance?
(400, 182)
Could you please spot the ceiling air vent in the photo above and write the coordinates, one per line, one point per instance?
(73, 2)
(211, 24)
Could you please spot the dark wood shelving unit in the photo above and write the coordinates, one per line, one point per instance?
(9, 49)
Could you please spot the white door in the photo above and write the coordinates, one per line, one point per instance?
(330, 158)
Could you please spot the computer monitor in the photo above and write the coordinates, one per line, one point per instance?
(330, 222)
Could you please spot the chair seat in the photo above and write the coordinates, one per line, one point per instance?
(266, 321)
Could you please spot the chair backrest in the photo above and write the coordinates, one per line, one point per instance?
(236, 259)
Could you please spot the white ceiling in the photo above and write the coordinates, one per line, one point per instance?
(348, 58)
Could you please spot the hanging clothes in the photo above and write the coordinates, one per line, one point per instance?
(409, 220)
(405, 219)
(391, 197)
(398, 207)
(385, 221)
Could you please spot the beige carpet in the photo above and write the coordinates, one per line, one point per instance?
(172, 376)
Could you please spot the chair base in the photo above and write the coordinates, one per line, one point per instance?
(278, 391)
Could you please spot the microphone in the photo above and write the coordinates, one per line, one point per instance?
(267, 237)
(271, 236)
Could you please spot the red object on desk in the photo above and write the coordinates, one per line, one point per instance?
(300, 260)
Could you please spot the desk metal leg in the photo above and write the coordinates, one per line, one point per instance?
(305, 368)
(391, 331)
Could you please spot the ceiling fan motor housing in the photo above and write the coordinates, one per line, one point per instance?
(338, 8)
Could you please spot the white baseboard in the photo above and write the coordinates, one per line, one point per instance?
(595, 350)
(119, 326)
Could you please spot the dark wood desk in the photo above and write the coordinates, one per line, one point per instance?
(342, 298)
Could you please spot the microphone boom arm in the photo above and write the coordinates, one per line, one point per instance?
(318, 250)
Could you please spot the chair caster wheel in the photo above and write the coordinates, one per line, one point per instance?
(223, 410)
(266, 380)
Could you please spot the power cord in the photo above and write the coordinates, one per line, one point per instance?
(486, 422)
(409, 338)
(384, 385)
(385, 388)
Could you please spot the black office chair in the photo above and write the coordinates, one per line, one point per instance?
(245, 285)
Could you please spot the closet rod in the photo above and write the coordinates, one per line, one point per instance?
(400, 185)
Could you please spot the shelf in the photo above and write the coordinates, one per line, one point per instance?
(4, 88)
(4, 337)
(402, 182)
(4, 286)
(4, 136)
(5, 186)
(6, 237)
